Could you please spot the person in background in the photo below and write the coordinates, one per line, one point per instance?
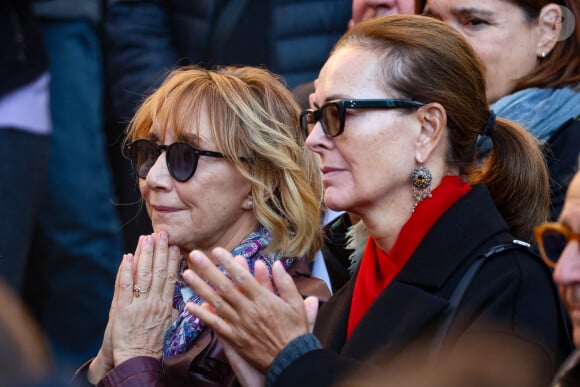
(77, 244)
(531, 52)
(361, 10)
(24, 136)
(559, 244)
(145, 39)
(398, 109)
(221, 162)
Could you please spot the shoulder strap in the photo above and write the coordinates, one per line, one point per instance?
(461, 288)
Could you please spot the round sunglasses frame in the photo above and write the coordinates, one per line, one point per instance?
(130, 149)
(567, 234)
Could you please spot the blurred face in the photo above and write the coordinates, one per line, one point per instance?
(209, 209)
(367, 167)
(500, 35)
(369, 9)
(567, 272)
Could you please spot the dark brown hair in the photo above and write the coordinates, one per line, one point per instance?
(561, 68)
(427, 60)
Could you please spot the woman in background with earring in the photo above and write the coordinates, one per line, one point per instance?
(530, 50)
(220, 161)
(397, 112)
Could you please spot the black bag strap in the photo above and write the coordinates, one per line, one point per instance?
(461, 288)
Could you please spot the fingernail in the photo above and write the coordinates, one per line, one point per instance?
(163, 235)
(278, 267)
(187, 275)
(149, 239)
(220, 253)
(195, 256)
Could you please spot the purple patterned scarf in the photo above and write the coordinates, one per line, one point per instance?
(185, 328)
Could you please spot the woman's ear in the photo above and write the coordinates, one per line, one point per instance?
(433, 120)
(550, 27)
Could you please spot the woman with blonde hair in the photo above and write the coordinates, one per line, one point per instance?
(220, 161)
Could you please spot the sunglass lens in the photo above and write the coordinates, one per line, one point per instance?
(554, 243)
(143, 155)
(181, 161)
(331, 120)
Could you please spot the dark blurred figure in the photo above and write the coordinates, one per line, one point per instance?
(361, 10)
(78, 243)
(24, 135)
(559, 244)
(25, 357)
(147, 38)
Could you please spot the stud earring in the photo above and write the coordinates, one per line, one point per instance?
(249, 203)
(543, 55)
(421, 180)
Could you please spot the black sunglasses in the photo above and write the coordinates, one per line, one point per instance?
(331, 115)
(552, 239)
(181, 157)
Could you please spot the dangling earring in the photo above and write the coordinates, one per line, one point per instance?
(421, 180)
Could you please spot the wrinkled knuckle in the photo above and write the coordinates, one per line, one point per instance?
(126, 285)
(172, 276)
(161, 272)
(145, 274)
(242, 277)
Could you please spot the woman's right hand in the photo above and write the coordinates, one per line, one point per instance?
(136, 324)
(103, 362)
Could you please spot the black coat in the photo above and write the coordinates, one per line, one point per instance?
(22, 55)
(561, 151)
(513, 290)
(146, 38)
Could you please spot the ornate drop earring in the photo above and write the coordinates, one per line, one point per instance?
(421, 180)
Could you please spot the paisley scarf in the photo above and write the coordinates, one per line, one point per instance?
(185, 328)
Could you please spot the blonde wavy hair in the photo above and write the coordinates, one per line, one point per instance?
(254, 116)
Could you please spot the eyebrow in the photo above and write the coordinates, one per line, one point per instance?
(331, 98)
(471, 11)
(457, 11)
(191, 138)
(153, 136)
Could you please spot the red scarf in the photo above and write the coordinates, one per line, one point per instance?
(378, 268)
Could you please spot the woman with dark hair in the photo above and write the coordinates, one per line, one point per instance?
(397, 112)
(530, 50)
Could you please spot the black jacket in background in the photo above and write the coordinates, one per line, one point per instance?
(22, 56)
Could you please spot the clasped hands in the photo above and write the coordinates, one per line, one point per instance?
(142, 306)
(255, 317)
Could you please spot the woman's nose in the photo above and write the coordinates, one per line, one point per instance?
(316, 138)
(159, 175)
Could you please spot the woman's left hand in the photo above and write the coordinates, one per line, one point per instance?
(247, 314)
(144, 307)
